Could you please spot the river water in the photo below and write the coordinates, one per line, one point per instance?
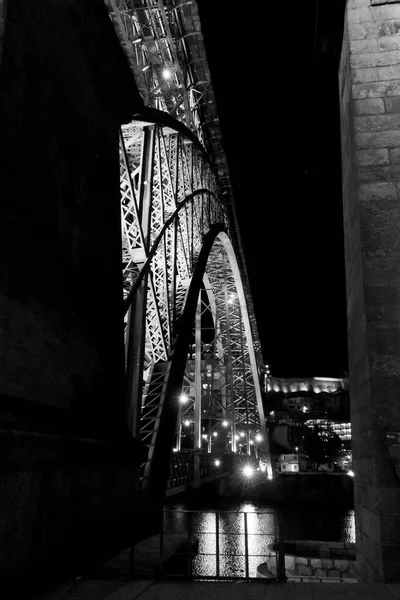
(235, 537)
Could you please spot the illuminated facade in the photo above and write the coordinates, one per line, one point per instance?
(343, 430)
(329, 385)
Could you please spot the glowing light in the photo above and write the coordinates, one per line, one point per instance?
(258, 437)
(305, 408)
(237, 437)
(251, 443)
(217, 462)
(215, 433)
(248, 471)
(174, 449)
(186, 423)
(269, 477)
(183, 399)
(241, 434)
(351, 473)
(263, 468)
(225, 423)
(166, 74)
(204, 436)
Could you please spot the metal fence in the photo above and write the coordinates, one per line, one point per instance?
(213, 545)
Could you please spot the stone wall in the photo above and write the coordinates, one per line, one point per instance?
(370, 131)
(68, 464)
(315, 561)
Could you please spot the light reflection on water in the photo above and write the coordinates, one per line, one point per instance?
(261, 523)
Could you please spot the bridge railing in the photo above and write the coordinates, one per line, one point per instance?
(216, 545)
(182, 470)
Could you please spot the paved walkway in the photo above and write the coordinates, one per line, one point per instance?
(182, 590)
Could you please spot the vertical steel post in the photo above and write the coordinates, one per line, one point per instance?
(230, 369)
(217, 542)
(281, 550)
(197, 377)
(246, 545)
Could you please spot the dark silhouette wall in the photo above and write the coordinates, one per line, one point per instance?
(69, 473)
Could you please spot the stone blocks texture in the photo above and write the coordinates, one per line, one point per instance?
(370, 136)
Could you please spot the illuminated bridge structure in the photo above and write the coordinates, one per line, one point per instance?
(194, 366)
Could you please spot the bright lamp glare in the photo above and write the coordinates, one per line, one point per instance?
(225, 423)
(186, 423)
(248, 471)
(183, 399)
(351, 473)
(217, 462)
(258, 437)
(215, 433)
(269, 476)
(166, 74)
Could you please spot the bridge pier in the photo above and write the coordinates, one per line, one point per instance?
(69, 468)
(370, 116)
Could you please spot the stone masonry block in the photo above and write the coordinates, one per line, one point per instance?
(289, 562)
(360, 15)
(373, 29)
(385, 12)
(327, 563)
(365, 75)
(381, 139)
(380, 59)
(388, 43)
(376, 89)
(372, 106)
(303, 570)
(357, 4)
(377, 122)
(379, 173)
(341, 565)
(392, 104)
(388, 28)
(394, 154)
(389, 72)
(365, 46)
(374, 156)
(316, 563)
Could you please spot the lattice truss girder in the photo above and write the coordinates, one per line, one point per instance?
(160, 226)
(165, 49)
(237, 373)
(169, 201)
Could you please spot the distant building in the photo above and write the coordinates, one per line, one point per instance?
(292, 463)
(294, 404)
(317, 385)
(342, 429)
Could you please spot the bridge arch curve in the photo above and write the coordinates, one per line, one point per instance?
(179, 262)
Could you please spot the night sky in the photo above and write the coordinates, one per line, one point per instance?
(275, 79)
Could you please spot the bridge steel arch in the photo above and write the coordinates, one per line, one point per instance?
(178, 246)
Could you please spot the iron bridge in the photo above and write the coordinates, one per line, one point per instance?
(194, 364)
